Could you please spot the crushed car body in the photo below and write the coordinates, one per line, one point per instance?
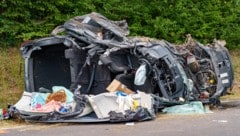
(89, 70)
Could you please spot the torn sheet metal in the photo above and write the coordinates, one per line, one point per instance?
(87, 53)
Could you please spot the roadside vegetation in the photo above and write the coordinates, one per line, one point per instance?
(11, 76)
(171, 20)
(235, 94)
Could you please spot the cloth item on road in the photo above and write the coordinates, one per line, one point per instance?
(189, 108)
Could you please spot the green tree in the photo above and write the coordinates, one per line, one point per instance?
(22, 20)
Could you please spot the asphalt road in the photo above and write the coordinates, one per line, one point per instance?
(224, 122)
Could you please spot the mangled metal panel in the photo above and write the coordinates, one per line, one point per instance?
(88, 52)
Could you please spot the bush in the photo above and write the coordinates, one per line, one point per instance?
(22, 20)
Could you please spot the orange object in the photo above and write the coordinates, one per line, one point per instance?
(118, 86)
(59, 96)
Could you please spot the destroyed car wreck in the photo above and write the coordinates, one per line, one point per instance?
(89, 70)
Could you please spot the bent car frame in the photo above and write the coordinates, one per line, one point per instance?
(88, 52)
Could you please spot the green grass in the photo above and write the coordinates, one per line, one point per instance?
(11, 76)
(235, 56)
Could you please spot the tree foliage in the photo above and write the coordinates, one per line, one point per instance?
(22, 20)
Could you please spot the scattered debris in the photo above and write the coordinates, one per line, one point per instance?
(1, 114)
(220, 121)
(130, 124)
(189, 108)
(112, 77)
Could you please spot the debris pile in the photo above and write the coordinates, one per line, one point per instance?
(113, 77)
